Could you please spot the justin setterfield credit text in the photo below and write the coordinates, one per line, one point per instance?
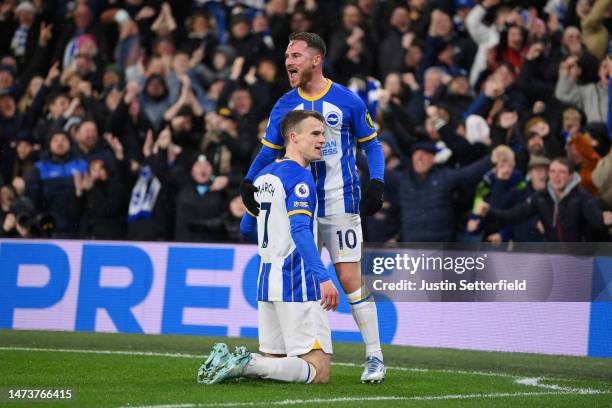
(446, 285)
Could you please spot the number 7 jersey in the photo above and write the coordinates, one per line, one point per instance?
(347, 122)
(284, 189)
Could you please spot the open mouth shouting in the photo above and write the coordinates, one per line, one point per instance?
(293, 75)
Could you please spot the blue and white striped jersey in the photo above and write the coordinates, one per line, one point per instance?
(347, 122)
(284, 189)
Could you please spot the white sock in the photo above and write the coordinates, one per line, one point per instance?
(288, 369)
(366, 317)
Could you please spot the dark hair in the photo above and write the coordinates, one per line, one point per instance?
(87, 119)
(313, 40)
(56, 132)
(294, 118)
(58, 94)
(564, 161)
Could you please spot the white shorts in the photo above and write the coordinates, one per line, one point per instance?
(341, 235)
(293, 328)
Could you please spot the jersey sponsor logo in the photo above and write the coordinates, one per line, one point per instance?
(302, 190)
(333, 119)
(369, 120)
(330, 147)
(300, 204)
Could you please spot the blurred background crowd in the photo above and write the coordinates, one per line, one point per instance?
(137, 119)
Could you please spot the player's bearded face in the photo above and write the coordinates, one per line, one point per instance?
(299, 62)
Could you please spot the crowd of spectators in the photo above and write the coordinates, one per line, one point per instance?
(137, 119)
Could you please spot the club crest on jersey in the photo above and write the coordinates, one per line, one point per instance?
(301, 190)
(332, 119)
(369, 120)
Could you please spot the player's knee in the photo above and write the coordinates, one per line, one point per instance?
(349, 276)
(345, 280)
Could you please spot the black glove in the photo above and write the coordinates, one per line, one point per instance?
(372, 200)
(247, 192)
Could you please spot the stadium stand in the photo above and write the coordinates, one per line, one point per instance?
(138, 120)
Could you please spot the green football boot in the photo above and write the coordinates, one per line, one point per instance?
(232, 368)
(217, 357)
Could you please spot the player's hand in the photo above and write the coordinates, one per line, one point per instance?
(247, 192)
(372, 200)
(329, 295)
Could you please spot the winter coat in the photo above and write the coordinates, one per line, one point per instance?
(426, 205)
(526, 231)
(50, 185)
(105, 206)
(200, 215)
(565, 219)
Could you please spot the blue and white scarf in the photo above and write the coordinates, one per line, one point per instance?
(19, 41)
(144, 195)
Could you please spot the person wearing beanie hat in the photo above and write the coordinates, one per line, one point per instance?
(113, 76)
(426, 146)
(24, 157)
(23, 33)
(50, 184)
(156, 99)
(537, 162)
(477, 130)
(581, 153)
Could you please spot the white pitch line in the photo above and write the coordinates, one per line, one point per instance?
(530, 381)
(120, 352)
(535, 382)
(195, 356)
(359, 399)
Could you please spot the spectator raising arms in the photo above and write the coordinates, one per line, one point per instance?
(447, 81)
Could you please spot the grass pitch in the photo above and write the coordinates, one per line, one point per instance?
(117, 370)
